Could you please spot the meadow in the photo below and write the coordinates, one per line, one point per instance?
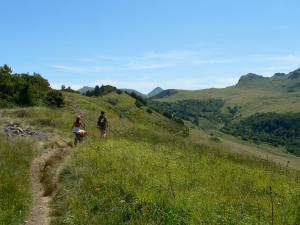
(132, 182)
(251, 100)
(150, 170)
(15, 194)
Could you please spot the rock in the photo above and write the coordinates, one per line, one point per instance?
(13, 130)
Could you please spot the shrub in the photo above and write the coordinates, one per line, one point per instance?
(101, 91)
(149, 111)
(54, 98)
(138, 104)
(168, 115)
(273, 128)
(192, 110)
(138, 98)
(178, 120)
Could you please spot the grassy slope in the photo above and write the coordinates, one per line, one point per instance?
(134, 180)
(251, 100)
(142, 165)
(234, 145)
(125, 120)
(15, 197)
(137, 182)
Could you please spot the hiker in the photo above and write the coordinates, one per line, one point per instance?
(102, 124)
(76, 129)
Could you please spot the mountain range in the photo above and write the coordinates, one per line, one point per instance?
(151, 94)
(253, 93)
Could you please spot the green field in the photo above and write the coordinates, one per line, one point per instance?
(134, 182)
(15, 194)
(253, 93)
(150, 170)
(251, 101)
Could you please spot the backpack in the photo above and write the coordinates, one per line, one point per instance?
(102, 122)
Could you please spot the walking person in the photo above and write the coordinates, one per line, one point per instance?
(102, 124)
(77, 130)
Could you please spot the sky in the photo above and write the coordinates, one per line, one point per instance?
(142, 44)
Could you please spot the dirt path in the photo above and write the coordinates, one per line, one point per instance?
(40, 212)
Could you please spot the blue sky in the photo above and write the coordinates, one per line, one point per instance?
(142, 44)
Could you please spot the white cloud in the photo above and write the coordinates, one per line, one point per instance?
(137, 66)
(286, 58)
(147, 61)
(75, 69)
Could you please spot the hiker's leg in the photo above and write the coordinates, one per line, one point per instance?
(103, 133)
(78, 138)
(75, 140)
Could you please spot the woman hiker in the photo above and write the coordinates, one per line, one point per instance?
(77, 130)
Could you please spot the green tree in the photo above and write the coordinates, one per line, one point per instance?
(54, 98)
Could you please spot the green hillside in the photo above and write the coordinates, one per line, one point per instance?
(149, 170)
(253, 93)
(229, 109)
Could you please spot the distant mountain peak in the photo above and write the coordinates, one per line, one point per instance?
(279, 75)
(295, 74)
(250, 79)
(155, 91)
(84, 89)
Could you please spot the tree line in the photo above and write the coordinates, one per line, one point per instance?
(273, 128)
(26, 90)
(194, 110)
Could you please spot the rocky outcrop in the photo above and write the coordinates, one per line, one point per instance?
(15, 130)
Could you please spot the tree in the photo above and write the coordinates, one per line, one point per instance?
(54, 98)
(97, 91)
(26, 96)
(5, 69)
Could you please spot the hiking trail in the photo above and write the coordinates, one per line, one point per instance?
(40, 213)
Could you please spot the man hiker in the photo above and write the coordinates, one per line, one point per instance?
(102, 124)
(77, 130)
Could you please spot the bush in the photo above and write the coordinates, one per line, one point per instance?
(101, 91)
(192, 110)
(273, 128)
(68, 89)
(119, 92)
(54, 98)
(26, 90)
(138, 104)
(178, 120)
(149, 111)
(140, 99)
(168, 115)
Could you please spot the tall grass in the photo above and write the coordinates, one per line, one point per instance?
(15, 197)
(133, 182)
